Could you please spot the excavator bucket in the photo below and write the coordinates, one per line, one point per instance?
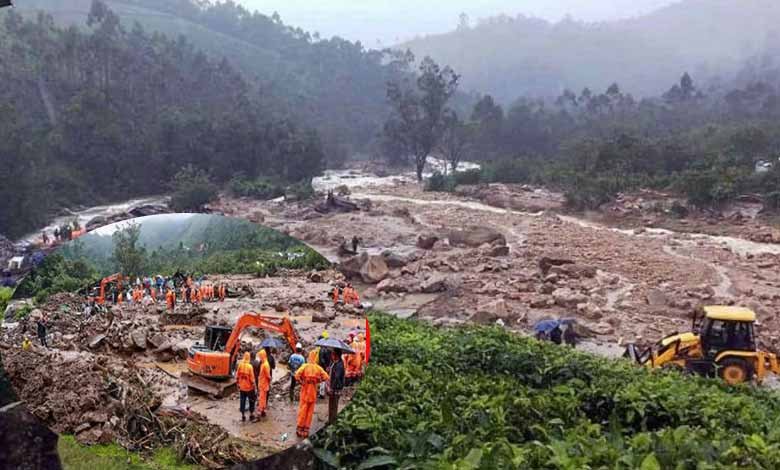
(217, 389)
(632, 353)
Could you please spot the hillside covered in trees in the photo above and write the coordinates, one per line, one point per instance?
(510, 57)
(330, 84)
(105, 111)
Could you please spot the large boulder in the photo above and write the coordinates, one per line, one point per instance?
(398, 285)
(351, 267)
(490, 312)
(394, 260)
(374, 270)
(574, 271)
(476, 236)
(656, 298)
(547, 262)
(139, 338)
(427, 242)
(568, 298)
(433, 284)
(148, 209)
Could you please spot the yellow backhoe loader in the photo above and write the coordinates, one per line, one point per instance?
(722, 343)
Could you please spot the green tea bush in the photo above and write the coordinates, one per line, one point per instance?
(483, 398)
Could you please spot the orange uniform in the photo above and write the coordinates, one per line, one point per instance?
(309, 376)
(245, 375)
(222, 293)
(170, 299)
(354, 362)
(335, 295)
(263, 381)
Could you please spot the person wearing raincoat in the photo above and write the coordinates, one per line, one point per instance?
(263, 382)
(245, 376)
(309, 376)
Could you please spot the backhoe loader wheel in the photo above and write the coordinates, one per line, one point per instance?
(734, 371)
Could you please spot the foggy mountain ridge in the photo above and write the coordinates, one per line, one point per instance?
(510, 57)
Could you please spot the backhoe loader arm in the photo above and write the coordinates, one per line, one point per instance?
(276, 324)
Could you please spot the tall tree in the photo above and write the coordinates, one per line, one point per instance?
(128, 255)
(456, 140)
(418, 120)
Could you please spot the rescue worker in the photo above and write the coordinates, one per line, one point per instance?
(26, 344)
(263, 382)
(335, 295)
(271, 359)
(309, 376)
(42, 323)
(222, 292)
(170, 299)
(295, 362)
(354, 363)
(355, 242)
(335, 384)
(57, 233)
(247, 387)
(45, 237)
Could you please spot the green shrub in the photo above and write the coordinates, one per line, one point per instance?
(507, 171)
(6, 294)
(263, 189)
(484, 398)
(473, 176)
(439, 182)
(302, 191)
(191, 188)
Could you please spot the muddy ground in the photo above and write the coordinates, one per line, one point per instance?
(513, 255)
(114, 376)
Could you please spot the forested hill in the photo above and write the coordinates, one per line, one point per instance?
(510, 57)
(333, 85)
(103, 113)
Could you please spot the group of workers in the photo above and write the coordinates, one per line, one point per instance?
(151, 290)
(326, 369)
(64, 233)
(346, 295)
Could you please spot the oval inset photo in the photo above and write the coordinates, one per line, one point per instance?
(209, 338)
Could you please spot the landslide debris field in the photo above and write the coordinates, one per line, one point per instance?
(113, 377)
(511, 253)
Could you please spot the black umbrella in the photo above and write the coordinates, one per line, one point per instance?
(6, 3)
(335, 344)
(272, 343)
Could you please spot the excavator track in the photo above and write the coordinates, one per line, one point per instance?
(217, 389)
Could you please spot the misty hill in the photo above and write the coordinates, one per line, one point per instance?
(331, 84)
(511, 57)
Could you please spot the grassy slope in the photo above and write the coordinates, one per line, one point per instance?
(75, 456)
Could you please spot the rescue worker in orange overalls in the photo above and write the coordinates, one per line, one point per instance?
(335, 295)
(245, 376)
(361, 347)
(170, 299)
(309, 375)
(353, 362)
(263, 382)
(222, 292)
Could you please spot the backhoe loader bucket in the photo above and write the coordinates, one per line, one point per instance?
(632, 353)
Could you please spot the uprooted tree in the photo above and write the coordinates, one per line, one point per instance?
(418, 120)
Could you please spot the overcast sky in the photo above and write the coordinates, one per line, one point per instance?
(393, 21)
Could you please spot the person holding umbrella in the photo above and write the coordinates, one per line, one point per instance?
(309, 376)
(335, 384)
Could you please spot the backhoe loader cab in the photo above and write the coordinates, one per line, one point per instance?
(722, 342)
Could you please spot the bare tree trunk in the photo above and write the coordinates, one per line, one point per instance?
(420, 161)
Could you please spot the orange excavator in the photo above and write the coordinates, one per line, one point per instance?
(101, 297)
(212, 365)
